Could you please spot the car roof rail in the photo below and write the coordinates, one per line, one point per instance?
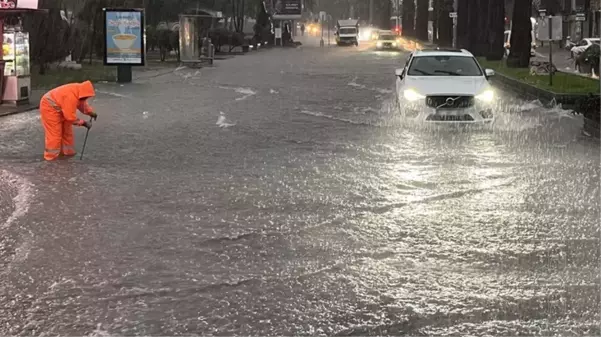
(451, 50)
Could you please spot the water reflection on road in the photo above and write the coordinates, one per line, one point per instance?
(318, 211)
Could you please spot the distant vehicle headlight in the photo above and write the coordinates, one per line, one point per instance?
(486, 96)
(412, 95)
(394, 44)
(379, 44)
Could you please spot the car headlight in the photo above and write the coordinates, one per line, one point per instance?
(379, 44)
(394, 44)
(486, 96)
(412, 95)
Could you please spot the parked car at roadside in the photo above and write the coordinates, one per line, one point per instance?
(581, 46)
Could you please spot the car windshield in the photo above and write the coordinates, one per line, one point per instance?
(348, 31)
(387, 37)
(444, 66)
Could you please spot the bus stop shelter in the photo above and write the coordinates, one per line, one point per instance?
(193, 28)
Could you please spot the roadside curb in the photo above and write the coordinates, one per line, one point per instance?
(529, 91)
(26, 108)
(568, 101)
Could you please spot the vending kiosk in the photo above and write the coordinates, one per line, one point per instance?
(15, 50)
(15, 67)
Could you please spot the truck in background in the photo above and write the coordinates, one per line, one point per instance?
(347, 32)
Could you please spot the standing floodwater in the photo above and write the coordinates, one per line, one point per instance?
(279, 193)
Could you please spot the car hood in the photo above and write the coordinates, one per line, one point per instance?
(447, 85)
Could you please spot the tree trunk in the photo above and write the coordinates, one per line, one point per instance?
(445, 24)
(385, 12)
(242, 10)
(521, 37)
(496, 26)
(408, 18)
(421, 21)
(463, 40)
(92, 40)
(478, 27)
(436, 4)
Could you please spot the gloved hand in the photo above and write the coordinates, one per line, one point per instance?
(93, 115)
(87, 125)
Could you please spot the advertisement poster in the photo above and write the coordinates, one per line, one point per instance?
(124, 37)
(287, 8)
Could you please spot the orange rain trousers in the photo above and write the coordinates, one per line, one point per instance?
(58, 109)
(58, 132)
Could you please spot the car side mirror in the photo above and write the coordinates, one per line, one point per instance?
(489, 72)
(400, 73)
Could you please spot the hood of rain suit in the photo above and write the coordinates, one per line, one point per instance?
(85, 90)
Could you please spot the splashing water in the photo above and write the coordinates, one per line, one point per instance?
(16, 197)
(99, 332)
(222, 121)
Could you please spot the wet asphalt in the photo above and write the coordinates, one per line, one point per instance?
(280, 193)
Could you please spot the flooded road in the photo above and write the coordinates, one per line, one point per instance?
(279, 193)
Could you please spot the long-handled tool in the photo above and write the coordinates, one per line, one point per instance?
(84, 142)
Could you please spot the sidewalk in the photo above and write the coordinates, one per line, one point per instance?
(34, 101)
(561, 58)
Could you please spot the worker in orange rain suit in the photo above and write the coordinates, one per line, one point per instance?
(58, 109)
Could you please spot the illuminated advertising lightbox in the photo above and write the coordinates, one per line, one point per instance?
(124, 37)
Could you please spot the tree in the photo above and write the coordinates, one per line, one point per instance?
(463, 24)
(421, 21)
(238, 11)
(496, 26)
(445, 23)
(382, 13)
(521, 37)
(409, 18)
(51, 37)
(478, 27)
(436, 4)
(262, 27)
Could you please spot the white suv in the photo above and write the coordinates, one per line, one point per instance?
(446, 86)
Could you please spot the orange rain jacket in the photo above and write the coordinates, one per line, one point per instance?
(68, 99)
(58, 109)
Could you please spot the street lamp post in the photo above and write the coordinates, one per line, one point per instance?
(322, 17)
(329, 20)
(398, 15)
(455, 3)
(321, 43)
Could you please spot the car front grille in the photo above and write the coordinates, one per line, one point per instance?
(387, 44)
(455, 102)
(450, 118)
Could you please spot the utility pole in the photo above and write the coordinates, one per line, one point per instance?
(398, 14)
(371, 12)
(455, 5)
